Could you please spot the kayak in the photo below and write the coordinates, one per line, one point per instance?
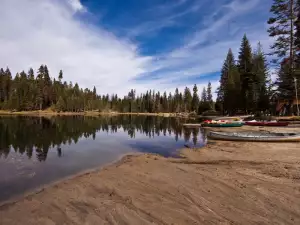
(222, 124)
(254, 136)
(273, 124)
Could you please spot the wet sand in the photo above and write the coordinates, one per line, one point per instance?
(223, 183)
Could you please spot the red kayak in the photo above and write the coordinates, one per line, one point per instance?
(273, 124)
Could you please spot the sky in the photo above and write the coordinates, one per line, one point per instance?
(118, 45)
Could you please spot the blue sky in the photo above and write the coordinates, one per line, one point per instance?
(117, 45)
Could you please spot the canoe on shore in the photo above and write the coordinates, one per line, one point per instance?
(192, 125)
(250, 136)
(237, 124)
(272, 124)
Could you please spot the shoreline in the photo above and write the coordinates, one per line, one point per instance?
(86, 172)
(48, 113)
(86, 113)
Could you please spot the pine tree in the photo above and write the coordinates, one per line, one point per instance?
(246, 75)
(60, 76)
(32, 89)
(170, 102)
(157, 103)
(181, 106)
(47, 88)
(283, 24)
(165, 105)
(2, 79)
(195, 100)
(31, 75)
(228, 99)
(282, 27)
(187, 99)
(204, 105)
(176, 101)
(229, 61)
(297, 44)
(40, 88)
(261, 76)
(204, 95)
(60, 105)
(7, 84)
(23, 92)
(94, 93)
(209, 95)
(285, 81)
(15, 98)
(131, 96)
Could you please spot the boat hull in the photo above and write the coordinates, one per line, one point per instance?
(271, 124)
(271, 137)
(222, 124)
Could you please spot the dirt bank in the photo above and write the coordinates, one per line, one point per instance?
(224, 183)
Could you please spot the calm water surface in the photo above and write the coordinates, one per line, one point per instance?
(35, 151)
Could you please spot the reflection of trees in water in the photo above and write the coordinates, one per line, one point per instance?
(36, 135)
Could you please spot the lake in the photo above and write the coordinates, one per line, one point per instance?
(35, 151)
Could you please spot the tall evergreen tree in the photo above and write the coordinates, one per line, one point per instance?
(7, 84)
(297, 44)
(40, 88)
(282, 26)
(2, 86)
(261, 79)
(209, 95)
(195, 100)
(165, 104)
(47, 88)
(204, 95)
(246, 75)
(228, 96)
(60, 105)
(60, 76)
(176, 102)
(187, 98)
(204, 105)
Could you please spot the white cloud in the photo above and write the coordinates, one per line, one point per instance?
(35, 32)
(76, 5)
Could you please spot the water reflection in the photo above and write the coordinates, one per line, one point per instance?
(35, 150)
(36, 135)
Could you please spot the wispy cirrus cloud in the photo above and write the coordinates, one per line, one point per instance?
(166, 15)
(203, 51)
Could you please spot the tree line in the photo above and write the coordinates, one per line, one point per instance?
(27, 92)
(245, 83)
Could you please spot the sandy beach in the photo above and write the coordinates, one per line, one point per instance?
(223, 183)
